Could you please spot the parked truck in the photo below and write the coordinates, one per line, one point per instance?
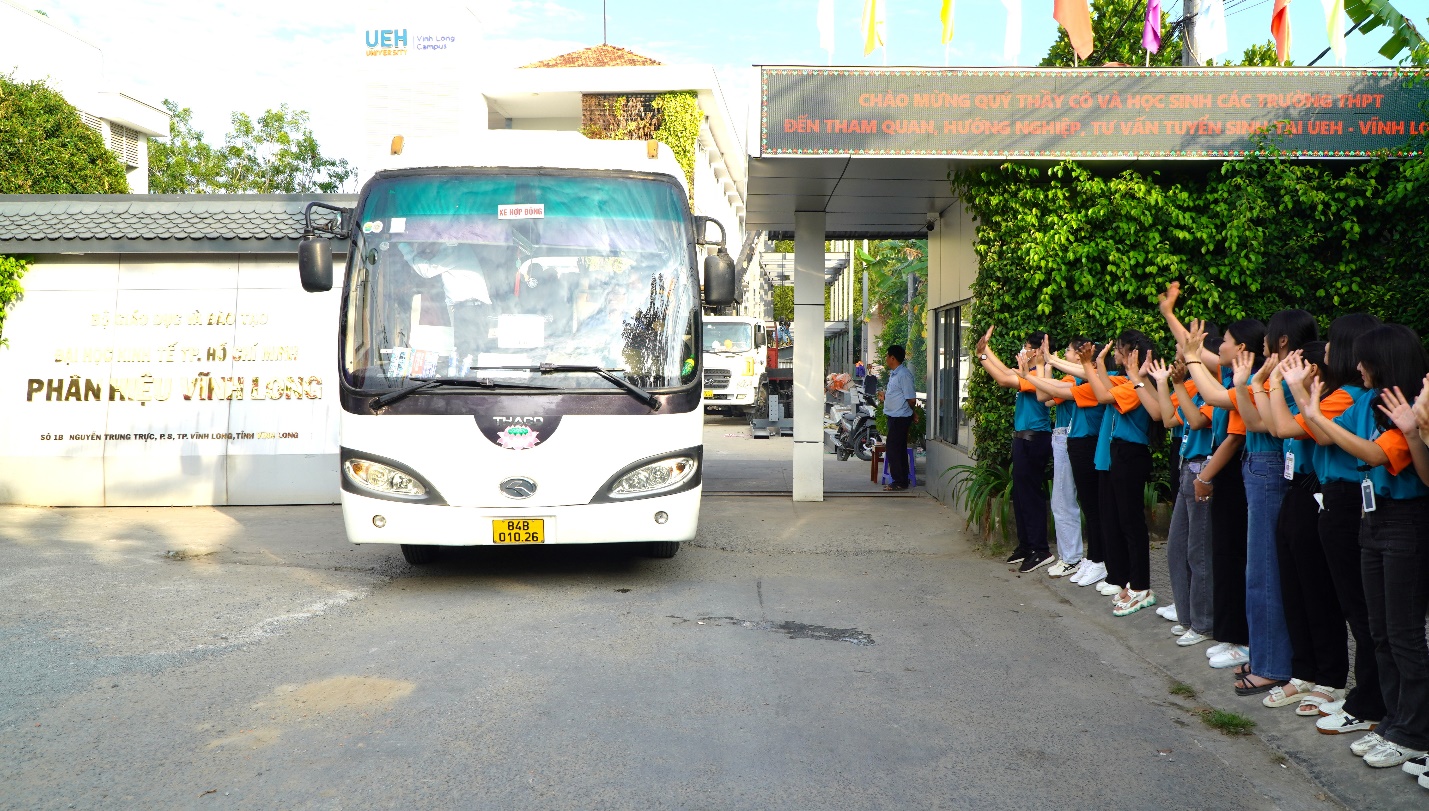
(735, 362)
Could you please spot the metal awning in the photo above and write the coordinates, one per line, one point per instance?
(780, 267)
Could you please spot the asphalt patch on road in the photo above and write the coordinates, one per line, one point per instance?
(793, 630)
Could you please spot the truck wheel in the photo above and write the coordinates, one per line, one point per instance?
(760, 409)
(863, 445)
(662, 549)
(418, 554)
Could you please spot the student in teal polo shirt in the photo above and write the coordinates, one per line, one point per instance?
(1031, 453)
(1337, 517)
(1394, 536)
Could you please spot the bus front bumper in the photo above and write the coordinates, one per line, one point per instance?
(422, 524)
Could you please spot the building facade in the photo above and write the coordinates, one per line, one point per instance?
(36, 48)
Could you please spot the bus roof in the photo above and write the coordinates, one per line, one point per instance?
(534, 149)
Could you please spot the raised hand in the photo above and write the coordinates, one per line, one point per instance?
(1195, 339)
(983, 341)
(1023, 364)
(1277, 372)
(1088, 353)
(1396, 406)
(1133, 365)
(1421, 409)
(1295, 370)
(1312, 406)
(1158, 370)
(1178, 371)
(1046, 348)
(1241, 367)
(1266, 369)
(1166, 302)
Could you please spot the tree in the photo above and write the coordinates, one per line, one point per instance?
(1116, 37)
(1260, 56)
(46, 149)
(277, 153)
(186, 164)
(273, 154)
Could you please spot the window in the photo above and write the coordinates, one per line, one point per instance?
(952, 340)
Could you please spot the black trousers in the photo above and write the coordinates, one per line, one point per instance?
(1173, 456)
(1318, 640)
(1339, 527)
(1228, 536)
(1128, 552)
(896, 449)
(1082, 452)
(1030, 458)
(1394, 562)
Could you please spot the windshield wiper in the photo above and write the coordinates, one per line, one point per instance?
(645, 397)
(384, 400)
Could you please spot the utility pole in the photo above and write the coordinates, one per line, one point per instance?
(605, 36)
(1189, 10)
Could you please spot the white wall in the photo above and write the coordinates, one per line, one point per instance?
(36, 49)
(92, 328)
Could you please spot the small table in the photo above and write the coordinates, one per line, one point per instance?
(877, 463)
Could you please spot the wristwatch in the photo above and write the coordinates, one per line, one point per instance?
(983, 356)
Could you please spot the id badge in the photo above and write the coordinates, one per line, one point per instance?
(1367, 495)
(1290, 465)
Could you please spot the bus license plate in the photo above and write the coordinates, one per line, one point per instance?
(518, 530)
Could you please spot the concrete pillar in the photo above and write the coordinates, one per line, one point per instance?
(809, 355)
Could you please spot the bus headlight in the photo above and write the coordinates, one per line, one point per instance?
(383, 479)
(655, 477)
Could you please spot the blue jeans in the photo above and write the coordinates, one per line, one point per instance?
(1394, 562)
(1265, 487)
(1188, 554)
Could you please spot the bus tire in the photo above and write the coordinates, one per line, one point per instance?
(419, 554)
(662, 549)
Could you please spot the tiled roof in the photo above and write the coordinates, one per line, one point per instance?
(158, 223)
(597, 56)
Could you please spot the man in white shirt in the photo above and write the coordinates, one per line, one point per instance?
(898, 401)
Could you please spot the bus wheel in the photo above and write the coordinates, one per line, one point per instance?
(662, 549)
(419, 555)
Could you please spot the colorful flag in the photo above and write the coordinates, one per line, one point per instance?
(1335, 26)
(874, 25)
(826, 27)
(1211, 39)
(1151, 32)
(1077, 19)
(1280, 30)
(1012, 39)
(947, 18)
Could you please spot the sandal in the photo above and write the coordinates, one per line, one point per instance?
(1245, 687)
(1311, 703)
(893, 488)
(1280, 696)
(1241, 670)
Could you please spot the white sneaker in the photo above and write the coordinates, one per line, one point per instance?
(1342, 723)
(1081, 569)
(1168, 613)
(1417, 766)
(1061, 569)
(1190, 638)
(1178, 629)
(1237, 655)
(1095, 573)
(1106, 589)
(1366, 744)
(1217, 649)
(1390, 754)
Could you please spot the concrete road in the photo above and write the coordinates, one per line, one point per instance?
(737, 463)
(854, 654)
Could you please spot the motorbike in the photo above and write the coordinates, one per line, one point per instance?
(857, 432)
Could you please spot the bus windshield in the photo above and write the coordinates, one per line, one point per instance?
(728, 337)
(485, 276)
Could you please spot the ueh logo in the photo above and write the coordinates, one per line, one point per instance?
(387, 38)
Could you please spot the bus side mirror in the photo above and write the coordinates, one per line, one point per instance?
(315, 264)
(719, 279)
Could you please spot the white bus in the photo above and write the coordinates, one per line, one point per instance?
(520, 344)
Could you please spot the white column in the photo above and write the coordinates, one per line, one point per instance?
(809, 356)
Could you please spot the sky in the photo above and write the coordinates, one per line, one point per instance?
(220, 56)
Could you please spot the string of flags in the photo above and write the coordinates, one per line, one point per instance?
(1075, 18)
